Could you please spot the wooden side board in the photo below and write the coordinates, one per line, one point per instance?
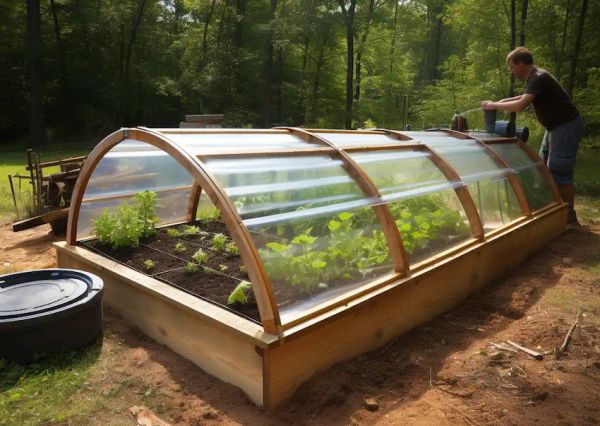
(268, 367)
(365, 325)
(221, 343)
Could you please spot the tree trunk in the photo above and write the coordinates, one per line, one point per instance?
(60, 50)
(513, 42)
(221, 25)
(523, 19)
(316, 85)
(268, 73)
(363, 41)
(34, 46)
(577, 49)
(349, 22)
(438, 46)
(137, 20)
(205, 33)
(564, 39)
(394, 35)
(278, 92)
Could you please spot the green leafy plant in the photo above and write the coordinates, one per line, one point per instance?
(146, 211)
(231, 248)
(191, 268)
(127, 228)
(129, 223)
(180, 247)
(173, 232)
(104, 225)
(200, 256)
(191, 230)
(218, 241)
(239, 294)
(149, 264)
(223, 268)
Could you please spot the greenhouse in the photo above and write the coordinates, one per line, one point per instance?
(290, 249)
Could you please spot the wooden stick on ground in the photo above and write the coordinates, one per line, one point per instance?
(528, 351)
(559, 351)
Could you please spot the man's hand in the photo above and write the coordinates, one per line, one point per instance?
(488, 105)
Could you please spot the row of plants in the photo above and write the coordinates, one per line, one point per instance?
(129, 224)
(351, 246)
(308, 255)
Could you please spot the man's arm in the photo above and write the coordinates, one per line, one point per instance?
(510, 104)
(514, 98)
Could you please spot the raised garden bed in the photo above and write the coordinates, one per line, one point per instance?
(344, 248)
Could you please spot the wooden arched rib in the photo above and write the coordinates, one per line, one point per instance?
(513, 179)
(260, 282)
(364, 182)
(462, 192)
(194, 201)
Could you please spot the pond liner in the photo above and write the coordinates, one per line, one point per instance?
(48, 310)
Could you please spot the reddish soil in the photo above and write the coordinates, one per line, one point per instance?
(443, 373)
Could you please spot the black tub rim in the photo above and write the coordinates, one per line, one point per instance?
(37, 318)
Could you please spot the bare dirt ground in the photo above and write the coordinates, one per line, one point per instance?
(443, 373)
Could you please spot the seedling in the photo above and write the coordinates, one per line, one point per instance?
(149, 264)
(218, 241)
(129, 223)
(190, 268)
(223, 268)
(200, 256)
(173, 232)
(191, 230)
(180, 247)
(231, 248)
(240, 293)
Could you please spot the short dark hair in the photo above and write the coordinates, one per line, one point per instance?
(520, 54)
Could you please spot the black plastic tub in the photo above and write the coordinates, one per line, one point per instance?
(48, 310)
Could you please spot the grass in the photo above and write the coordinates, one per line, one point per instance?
(14, 160)
(45, 391)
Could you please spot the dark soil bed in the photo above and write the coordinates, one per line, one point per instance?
(215, 279)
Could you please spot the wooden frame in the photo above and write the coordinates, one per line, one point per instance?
(260, 281)
(269, 361)
(269, 367)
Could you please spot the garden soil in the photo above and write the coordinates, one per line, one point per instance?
(442, 373)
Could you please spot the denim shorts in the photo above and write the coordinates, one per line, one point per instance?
(559, 149)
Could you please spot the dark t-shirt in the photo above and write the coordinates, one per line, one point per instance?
(551, 104)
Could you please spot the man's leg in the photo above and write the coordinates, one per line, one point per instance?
(563, 145)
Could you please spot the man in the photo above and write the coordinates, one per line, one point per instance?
(555, 111)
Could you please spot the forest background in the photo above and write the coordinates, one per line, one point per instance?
(72, 70)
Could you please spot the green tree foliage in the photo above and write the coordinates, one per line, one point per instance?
(108, 64)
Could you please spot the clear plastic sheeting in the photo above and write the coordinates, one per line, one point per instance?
(534, 184)
(488, 184)
(171, 207)
(132, 167)
(345, 140)
(422, 201)
(315, 231)
(211, 143)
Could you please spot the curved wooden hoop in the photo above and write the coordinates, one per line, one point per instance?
(261, 284)
(513, 179)
(364, 182)
(462, 192)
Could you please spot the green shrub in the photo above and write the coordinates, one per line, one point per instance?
(129, 223)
